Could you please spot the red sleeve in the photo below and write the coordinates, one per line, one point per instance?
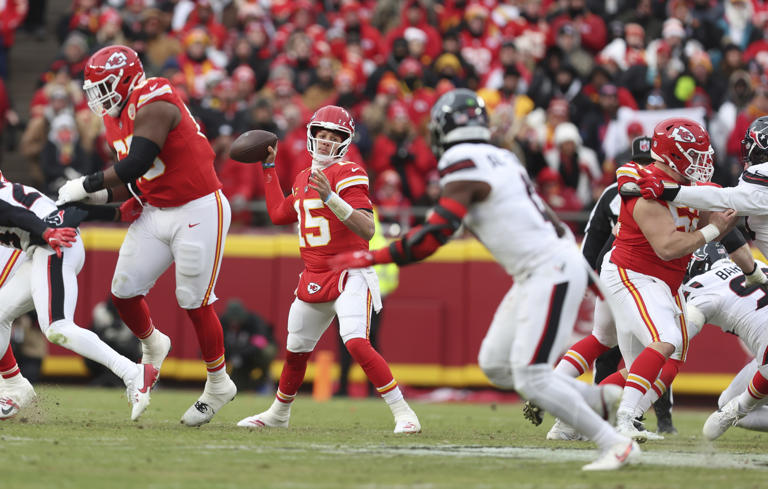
(280, 208)
(357, 196)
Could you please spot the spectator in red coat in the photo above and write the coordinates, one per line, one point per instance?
(388, 197)
(415, 15)
(480, 39)
(591, 27)
(403, 150)
(202, 17)
(12, 13)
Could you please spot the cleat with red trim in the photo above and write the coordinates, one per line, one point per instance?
(407, 423)
(215, 396)
(619, 455)
(718, 422)
(16, 393)
(138, 388)
(155, 348)
(263, 420)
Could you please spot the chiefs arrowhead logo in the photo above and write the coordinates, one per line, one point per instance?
(683, 135)
(117, 60)
(313, 288)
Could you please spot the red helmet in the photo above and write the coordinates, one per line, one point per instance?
(684, 145)
(111, 74)
(335, 119)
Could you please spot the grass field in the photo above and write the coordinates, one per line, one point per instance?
(82, 438)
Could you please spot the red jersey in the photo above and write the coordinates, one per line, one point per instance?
(631, 249)
(183, 171)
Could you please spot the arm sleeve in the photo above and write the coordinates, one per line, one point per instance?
(141, 155)
(745, 198)
(357, 197)
(598, 229)
(279, 206)
(13, 216)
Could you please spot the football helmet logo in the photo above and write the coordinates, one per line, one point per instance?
(459, 115)
(754, 146)
(683, 144)
(336, 119)
(111, 74)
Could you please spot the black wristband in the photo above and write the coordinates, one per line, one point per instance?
(94, 182)
(669, 193)
(733, 240)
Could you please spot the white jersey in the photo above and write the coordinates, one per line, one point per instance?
(24, 197)
(748, 198)
(720, 298)
(510, 222)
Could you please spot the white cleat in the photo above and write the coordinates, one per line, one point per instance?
(215, 396)
(718, 422)
(407, 423)
(617, 456)
(263, 420)
(156, 353)
(138, 388)
(15, 394)
(626, 427)
(563, 432)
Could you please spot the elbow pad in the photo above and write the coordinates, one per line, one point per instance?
(422, 241)
(140, 158)
(733, 240)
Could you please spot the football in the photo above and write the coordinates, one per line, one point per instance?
(251, 146)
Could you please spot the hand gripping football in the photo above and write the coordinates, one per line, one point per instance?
(251, 146)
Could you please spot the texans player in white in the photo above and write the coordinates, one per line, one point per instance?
(718, 294)
(47, 281)
(488, 190)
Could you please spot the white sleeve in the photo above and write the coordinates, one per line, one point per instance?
(746, 198)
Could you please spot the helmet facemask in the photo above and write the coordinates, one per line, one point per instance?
(103, 96)
(701, 165)
(337, 149)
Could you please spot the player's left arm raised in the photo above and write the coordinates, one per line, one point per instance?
(422, 241)
(360, 221)
(153, 123)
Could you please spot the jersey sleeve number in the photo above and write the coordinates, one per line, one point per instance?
(123, 145)
(307, 221)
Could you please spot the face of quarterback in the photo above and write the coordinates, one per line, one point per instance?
(327, 141)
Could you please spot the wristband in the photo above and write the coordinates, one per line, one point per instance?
(756, 276)
(710, 232)
(99, 197)
(339, 206)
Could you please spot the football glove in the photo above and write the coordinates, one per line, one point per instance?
(654, 188)
(58, 237)
(351, 259)
(130, 210)
(72, 191)
(756, 277)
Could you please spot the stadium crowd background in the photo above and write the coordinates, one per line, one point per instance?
(556, 75)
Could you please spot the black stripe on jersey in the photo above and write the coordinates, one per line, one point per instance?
(549, 334)
(55, 288)
(459, 165)
(755, 179)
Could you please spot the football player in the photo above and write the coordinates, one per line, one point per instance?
(487, 189)
(717, 293)
(46, 280)
(330, 200)
(645, 268)
(164, 156)
(748, 198)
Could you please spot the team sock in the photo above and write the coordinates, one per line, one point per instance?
(210, 337)
(660, 386)
(291, 377)
(134, 312)
(754, 395)
(579, 358)
(8, 366)
(615, 378)
(645, 369)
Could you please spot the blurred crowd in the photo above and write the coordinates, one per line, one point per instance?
(565, 82)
